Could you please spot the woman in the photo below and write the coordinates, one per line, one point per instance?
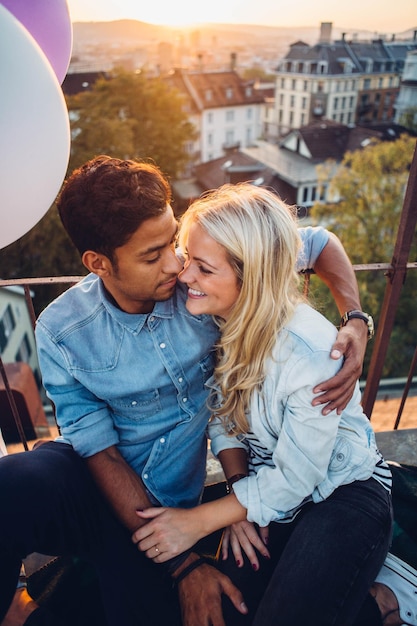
(315, 487)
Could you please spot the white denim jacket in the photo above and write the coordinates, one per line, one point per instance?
(301, 454)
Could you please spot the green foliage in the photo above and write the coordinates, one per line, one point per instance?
(130, 116)
(45, 250)
(127, 116)
(409, 119)
(371, 184)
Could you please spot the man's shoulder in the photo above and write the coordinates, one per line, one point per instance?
(73, 306)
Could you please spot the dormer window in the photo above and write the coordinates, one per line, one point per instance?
(229, 93)
(209, 95)
(248, 91)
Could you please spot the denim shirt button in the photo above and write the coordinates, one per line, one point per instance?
(180, 379)
(162, 345)
(185, 399)
(146, 475)
(162, 440)
(340, 456)
(134, 403)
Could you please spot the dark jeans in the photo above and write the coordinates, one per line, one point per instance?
(322, 564)
(50, 505)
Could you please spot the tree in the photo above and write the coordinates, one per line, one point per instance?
(131, 116)
(125, 116)
(371, 185)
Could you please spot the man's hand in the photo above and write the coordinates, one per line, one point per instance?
(351, 344)
(200, 597)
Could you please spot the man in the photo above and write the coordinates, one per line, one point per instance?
(125, 365)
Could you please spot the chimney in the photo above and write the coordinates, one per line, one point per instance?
(233, 59)
(326, 32)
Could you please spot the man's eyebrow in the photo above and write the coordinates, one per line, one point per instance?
(153, 249)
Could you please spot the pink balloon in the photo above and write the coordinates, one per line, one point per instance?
(49, 23)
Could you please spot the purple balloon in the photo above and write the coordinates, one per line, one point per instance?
(49, 23)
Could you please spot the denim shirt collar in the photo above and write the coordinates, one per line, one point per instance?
(134, 322)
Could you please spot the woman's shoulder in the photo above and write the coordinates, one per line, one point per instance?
(310, 328)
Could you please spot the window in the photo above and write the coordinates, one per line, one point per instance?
(25, 350)
(293, 85)
(292, 101)
(230, 137)
(336, 103)
(7, 324)
(230, 116)
(210, 139)
(229, 93)
(209, 95)
(281, 99)
(367, 83)
(249, 113)
(210, 117)
(304, 103)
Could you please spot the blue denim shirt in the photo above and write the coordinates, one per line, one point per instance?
(136, 381)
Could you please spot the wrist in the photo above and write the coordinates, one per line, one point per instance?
(233, 479)
(357, 317)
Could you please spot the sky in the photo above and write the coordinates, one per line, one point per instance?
(373, 15)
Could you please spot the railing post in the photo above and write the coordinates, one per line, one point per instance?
(396, 277)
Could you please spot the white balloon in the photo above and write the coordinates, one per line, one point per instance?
(34, 131)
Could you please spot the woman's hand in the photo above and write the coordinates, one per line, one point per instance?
(244, 535)
(168, 532)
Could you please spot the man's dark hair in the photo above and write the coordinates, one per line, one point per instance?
(106, 200)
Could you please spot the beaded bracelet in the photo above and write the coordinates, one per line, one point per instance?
(187, 570)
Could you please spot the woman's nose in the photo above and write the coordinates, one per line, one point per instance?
(185, 274)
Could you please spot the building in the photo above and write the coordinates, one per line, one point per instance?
(406, 105)
(345, 81)
(17, 341)
(291, 167)
(225, 110)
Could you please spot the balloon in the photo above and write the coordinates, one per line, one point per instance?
(49, 23)
(34, 131)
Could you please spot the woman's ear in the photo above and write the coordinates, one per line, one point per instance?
(96, 263)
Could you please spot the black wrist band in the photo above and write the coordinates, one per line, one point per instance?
(187, 570)
(174, 563)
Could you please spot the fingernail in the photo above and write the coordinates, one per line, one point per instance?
(255, 567)
(267, 556)
(238, 562)
(139, 510)
(336, 354)
(244, 607)
(266, 539)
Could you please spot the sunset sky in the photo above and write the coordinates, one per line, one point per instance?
(387, 17)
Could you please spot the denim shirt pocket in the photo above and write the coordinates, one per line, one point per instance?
(136, 408)
(341, 455)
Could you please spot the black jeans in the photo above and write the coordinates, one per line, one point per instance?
(322, 564)
(51, 505)
(321, 568)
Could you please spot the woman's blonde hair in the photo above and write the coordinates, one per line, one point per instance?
(260, 236)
